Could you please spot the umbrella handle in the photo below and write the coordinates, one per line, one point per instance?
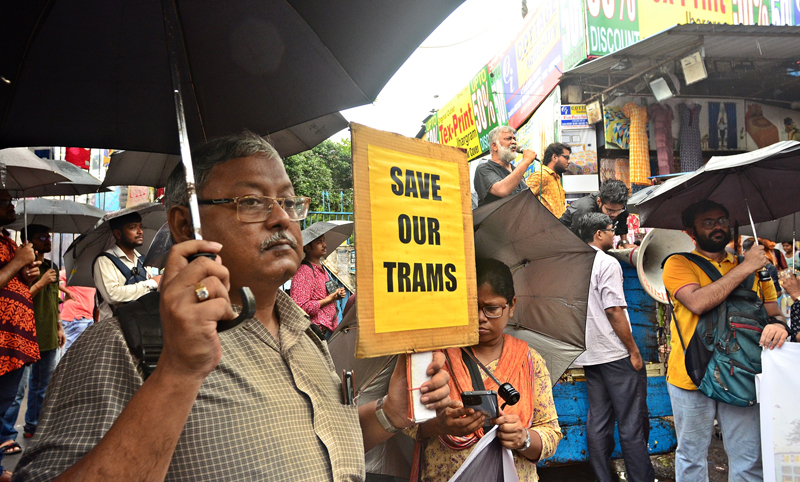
(248, 301)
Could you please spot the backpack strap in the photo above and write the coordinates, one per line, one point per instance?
(141, 325)
(712, 273)
(126, 272)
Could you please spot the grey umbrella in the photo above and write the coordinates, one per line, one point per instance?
(760, 184)
(61, 216)
(24, 171)
(79, 257)
(78, 182)
(336, 233)
(134, 168)
(551, 268)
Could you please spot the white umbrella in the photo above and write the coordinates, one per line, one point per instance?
(80, 256)
(21, 170)
(61, 216)
(78, 182)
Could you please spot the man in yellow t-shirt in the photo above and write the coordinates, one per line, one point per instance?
(546, 182)
(693, 294)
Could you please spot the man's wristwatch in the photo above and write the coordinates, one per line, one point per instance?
(527, 444)
(384, 420)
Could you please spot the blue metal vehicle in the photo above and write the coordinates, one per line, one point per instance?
(570, 396)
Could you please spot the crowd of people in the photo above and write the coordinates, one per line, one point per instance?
(262, 402)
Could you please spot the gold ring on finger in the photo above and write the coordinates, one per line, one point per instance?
(201, 291)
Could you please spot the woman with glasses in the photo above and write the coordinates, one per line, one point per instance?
(529, 428)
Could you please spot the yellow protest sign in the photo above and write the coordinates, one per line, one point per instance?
(415, 254)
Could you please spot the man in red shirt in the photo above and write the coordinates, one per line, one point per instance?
(309, 290)
(77, 314)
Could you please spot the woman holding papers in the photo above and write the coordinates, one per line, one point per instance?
(529, 428)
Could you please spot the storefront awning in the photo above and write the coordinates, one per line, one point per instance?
(756, 62)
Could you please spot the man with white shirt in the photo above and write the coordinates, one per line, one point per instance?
(119, 274)
(615, 377)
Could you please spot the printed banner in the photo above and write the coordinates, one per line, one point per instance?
(457, 124)
(574, 116)
(658, 15)
(483, 104)
(415, 250)
(612, 25)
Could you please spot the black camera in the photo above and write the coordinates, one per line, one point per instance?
(483, 401)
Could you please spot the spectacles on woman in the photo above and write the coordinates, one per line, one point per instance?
(256, 209)
(493, 311)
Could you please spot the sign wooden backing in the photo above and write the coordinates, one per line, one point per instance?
(415, 253)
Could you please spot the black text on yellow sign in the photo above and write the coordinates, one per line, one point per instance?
(418, 242)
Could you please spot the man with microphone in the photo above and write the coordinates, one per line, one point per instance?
(546, 182)
(497, 178)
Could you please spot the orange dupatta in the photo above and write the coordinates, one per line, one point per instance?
(515, 366)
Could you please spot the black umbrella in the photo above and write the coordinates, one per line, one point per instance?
(215, 67)
(97, 73)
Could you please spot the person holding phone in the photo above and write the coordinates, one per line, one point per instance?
(529, 428)
(313, 289)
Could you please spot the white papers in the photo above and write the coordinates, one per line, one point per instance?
(509, 470)
(778, 392)
(418, 369)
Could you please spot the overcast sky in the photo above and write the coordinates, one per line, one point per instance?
(442, 66)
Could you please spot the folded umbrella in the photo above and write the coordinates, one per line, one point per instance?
(551, 269)
(61, 216)
(79, 257)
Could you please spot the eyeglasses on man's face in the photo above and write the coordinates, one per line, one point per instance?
(710, 223)
(256, 209)
(43, 237)
(493, 311)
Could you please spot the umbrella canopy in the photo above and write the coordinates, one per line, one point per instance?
(133, 168)
(780, 230)
(336, 233)
(262, 65)
(79, 257)
(60, 216)
(766, 179)
(78, 182)
(551, 268)
(25, 170)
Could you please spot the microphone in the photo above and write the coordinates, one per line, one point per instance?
(521, 150)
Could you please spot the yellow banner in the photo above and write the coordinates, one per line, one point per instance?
(457, 124)
(419, 262)
(658, 15)
(415, 249)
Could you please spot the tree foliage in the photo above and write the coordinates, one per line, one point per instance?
(327, 167)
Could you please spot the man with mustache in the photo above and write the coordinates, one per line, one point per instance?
(119, 275)
(497, 178)
(693, 294)
(256, 402)
(309, 288)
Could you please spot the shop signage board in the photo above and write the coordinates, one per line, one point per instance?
(415, 250)
(574, 116)
(483, 104)
(457, 124)
(657, 15)
(615, 24)
(612, 25)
